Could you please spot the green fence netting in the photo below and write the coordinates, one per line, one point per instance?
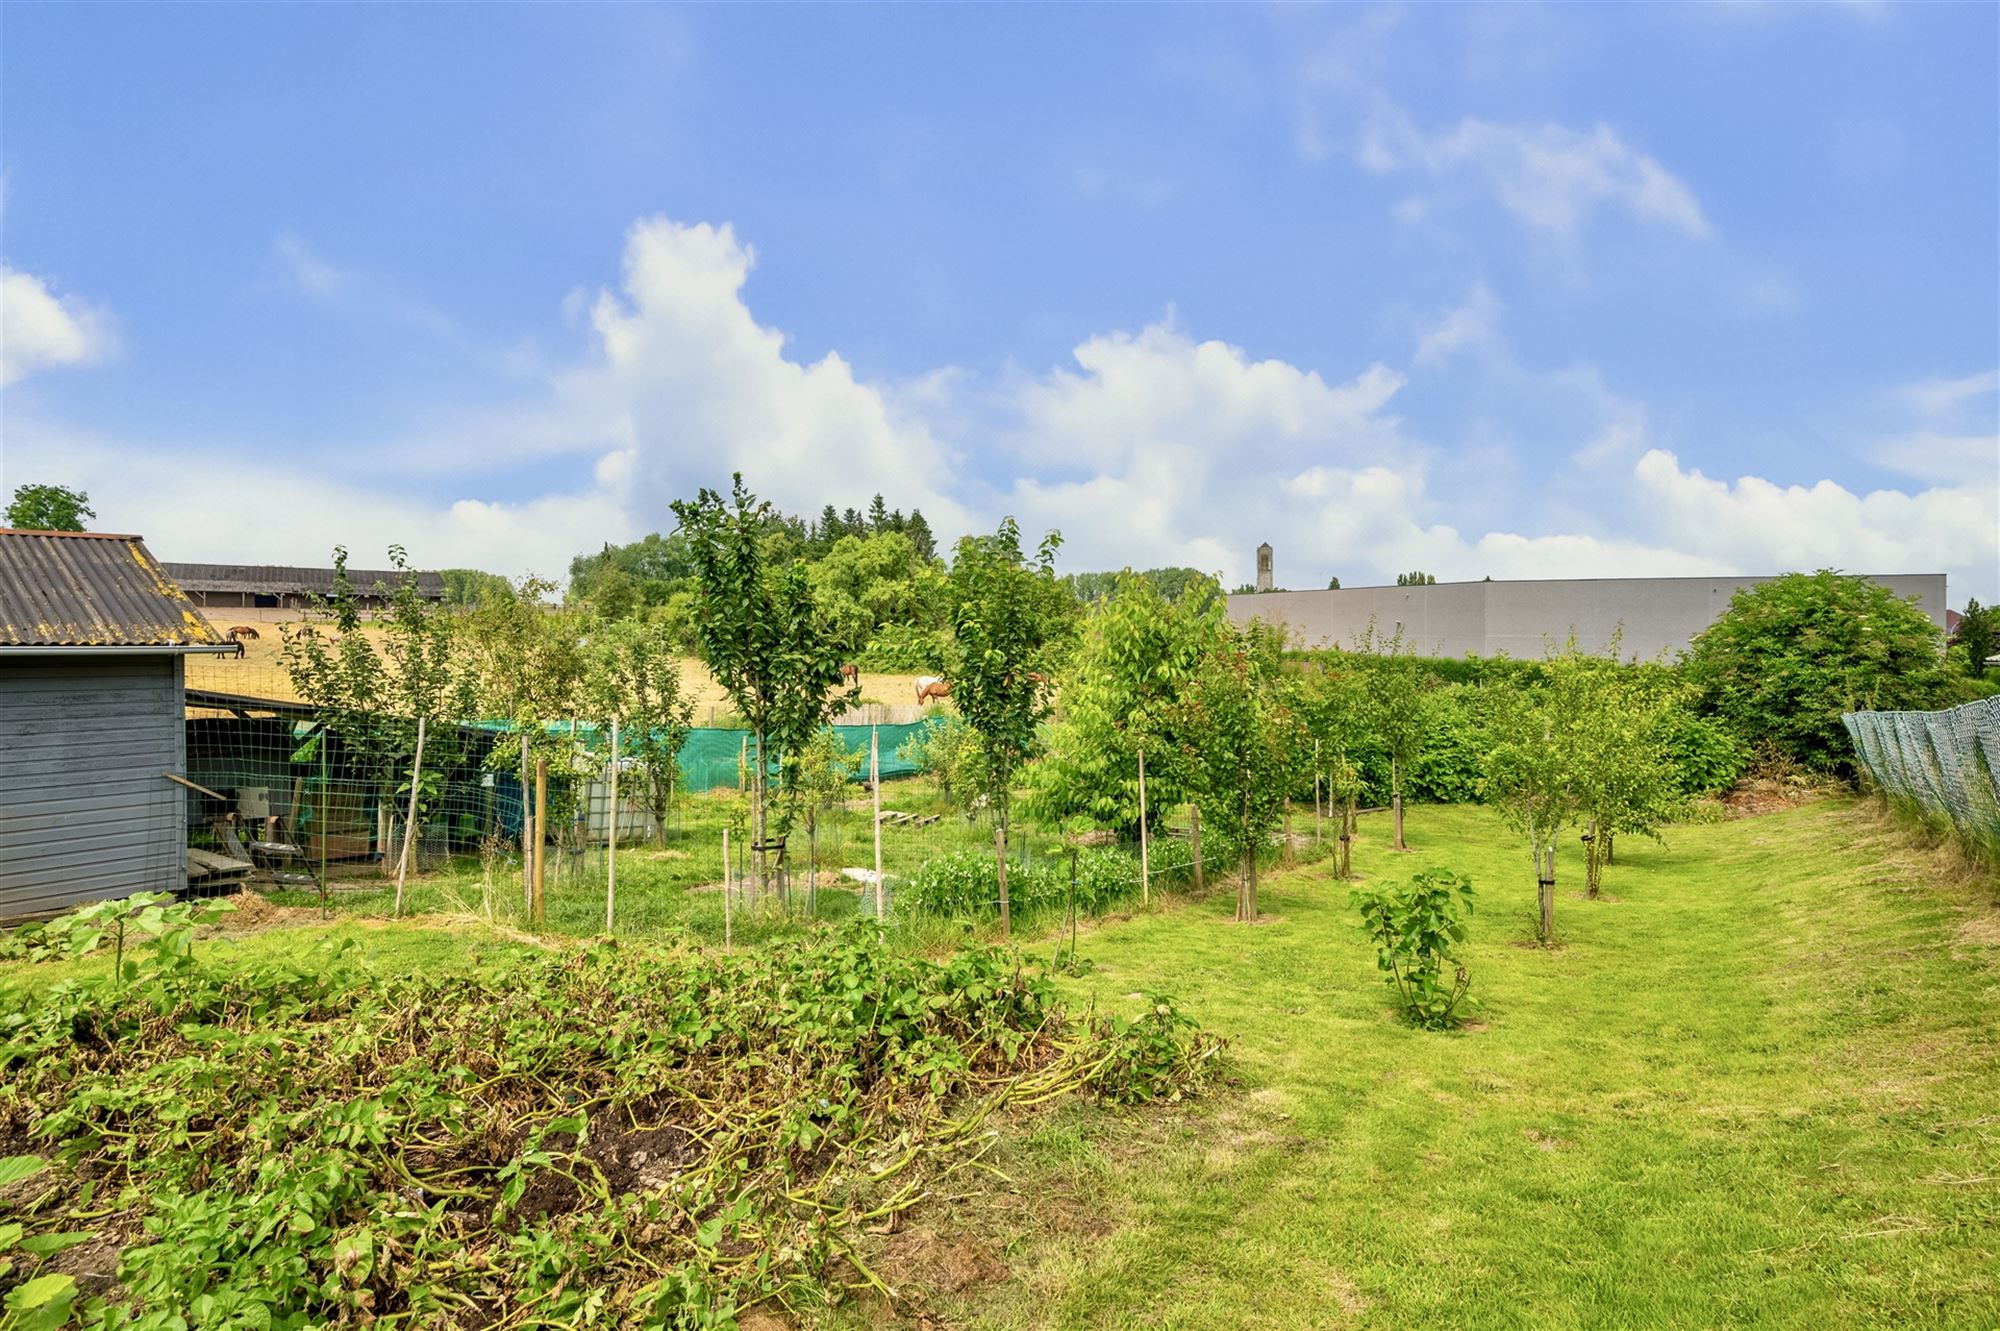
(1945, 762)
(713, 758)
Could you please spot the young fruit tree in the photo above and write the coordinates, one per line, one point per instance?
(1416, 927)
(371, 700)
(1240, 743)
(1004, 613)
(1533, 774)
(1138, 655)
(759, 633)
(634, 675)
(1626, 781)
(1333, 704)
(1397, 712)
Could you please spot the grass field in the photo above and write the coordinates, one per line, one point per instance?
(1759, 1085)
(1756, 1085)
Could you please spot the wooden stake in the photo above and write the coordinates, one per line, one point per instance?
(875, 785)
(1288, 834)
(527, 830)
(1145, 863)
(1000, 853)
(611, 837)
(410, 822)
(1194, 837)
(725, 889)
(540, 910)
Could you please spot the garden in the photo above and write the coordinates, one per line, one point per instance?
(1194, 978)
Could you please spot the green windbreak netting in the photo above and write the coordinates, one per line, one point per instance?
(712, 758)
(1948, 762)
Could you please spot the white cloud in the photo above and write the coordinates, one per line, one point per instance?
(40, 330)
(1550, 177)
(1757, 526)
(1150, 447)
(699, 388)
(1471, 323)
(1935, 398)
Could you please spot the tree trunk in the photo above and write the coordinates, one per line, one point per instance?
(757, 813)
(1593, 861)
(1545, 891)
(1194, 839)
(1347, 839)
(1246, 886)
(1610, 842)
(1000, 857)
(1396, 800)
(1288, 834)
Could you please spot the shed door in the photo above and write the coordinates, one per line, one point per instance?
(84, 811)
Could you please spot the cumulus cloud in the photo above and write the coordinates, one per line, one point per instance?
(40, 329)
(699, 388)
(1550, 177)
(1146, 448)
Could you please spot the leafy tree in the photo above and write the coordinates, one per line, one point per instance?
(1977, 636)
(1545, 734)
(371, 700)
(759, 633)
(949, 752)
(864, 583)
(1006, 612)
(1333, 584)
(49, 508)
(1171, 583)
(1626, 780)
(1335, 706)
(470, 586)
(1790, 655)
(1240, 742)
(1121, 689)
(1417, 579)
(1397, 685)
(634, 675)
(1416, 927)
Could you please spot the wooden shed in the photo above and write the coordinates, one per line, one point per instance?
(93, 640)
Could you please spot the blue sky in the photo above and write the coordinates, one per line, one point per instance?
(1510, 290)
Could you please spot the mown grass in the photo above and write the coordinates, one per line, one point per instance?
(1758, 1085)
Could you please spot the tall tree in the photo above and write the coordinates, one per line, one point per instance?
(1006, 610)
(1416, 579)
(1977, 637)
(1398, 684)
(1533, 761)
(1240, 742)
(49, 508)
(1121, 690)
(1790, 655)
(760, 636)
(919, 532)
(635, 676)
(370, 700)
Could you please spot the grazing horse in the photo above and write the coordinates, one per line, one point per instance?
(242, 631)
(930, 687)
(850, 674)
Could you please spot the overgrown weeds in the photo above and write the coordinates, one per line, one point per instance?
(604, 1137)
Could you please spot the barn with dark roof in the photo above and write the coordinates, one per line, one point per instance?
(93, 640)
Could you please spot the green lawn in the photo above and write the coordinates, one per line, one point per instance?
(1758, 1086)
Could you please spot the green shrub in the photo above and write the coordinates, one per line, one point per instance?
(1705, 755)
(1415, 926)
(903, 649)
(967, 883)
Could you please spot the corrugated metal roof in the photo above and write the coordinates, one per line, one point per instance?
(92, 589)
(280, 579)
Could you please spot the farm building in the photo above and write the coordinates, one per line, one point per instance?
(93, 638)
(1658, 615)
(277, 587)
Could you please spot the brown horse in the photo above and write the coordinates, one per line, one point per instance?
(242, 631)
(930, 687)
(850, 674)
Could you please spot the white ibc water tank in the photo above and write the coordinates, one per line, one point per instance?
(253, 802)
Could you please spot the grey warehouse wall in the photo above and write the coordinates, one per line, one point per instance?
(1660, 615)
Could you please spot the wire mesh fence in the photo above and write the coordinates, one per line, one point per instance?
(350, 812)
(1946, 763)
